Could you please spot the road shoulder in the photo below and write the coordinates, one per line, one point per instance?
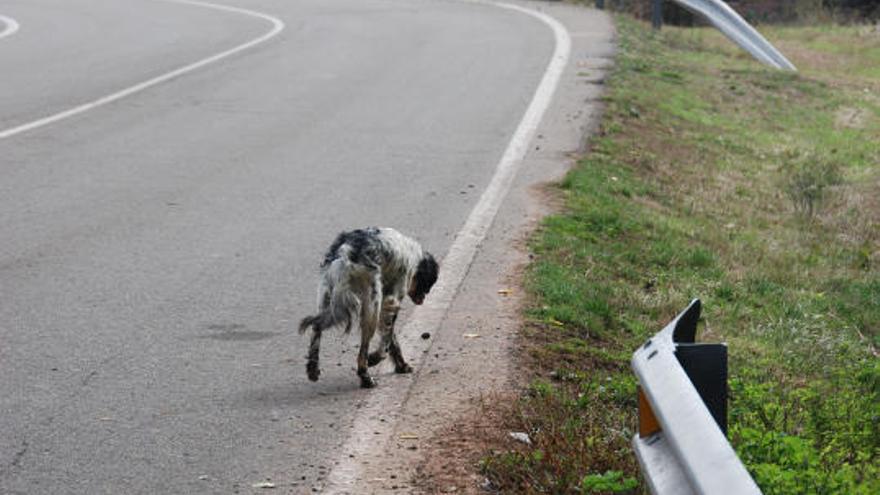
(446, 418)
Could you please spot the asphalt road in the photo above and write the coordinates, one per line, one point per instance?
(157, 251)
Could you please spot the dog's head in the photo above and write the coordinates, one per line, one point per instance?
(424, 278)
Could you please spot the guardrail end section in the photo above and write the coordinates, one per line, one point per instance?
(681, 443)
(685, 330)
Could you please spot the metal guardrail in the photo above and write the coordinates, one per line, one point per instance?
(681, 445)
(738, 30)
(726, 20)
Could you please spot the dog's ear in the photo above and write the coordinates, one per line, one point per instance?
(426, 274)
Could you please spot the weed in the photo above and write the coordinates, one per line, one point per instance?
(807, 179)
(608, 482)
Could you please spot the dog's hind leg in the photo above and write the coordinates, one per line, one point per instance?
(317, 323)
(312, 368)
(369, 321)
(367, 331)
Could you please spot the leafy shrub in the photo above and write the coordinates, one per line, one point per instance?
(609, 482)
(806, 180)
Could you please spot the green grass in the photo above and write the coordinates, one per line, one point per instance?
(757, 191)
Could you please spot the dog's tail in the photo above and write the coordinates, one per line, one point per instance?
(310, 321)
(339, 307)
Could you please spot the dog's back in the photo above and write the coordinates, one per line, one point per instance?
(351, 260)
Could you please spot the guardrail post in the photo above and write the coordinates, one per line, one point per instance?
(656, 13)
(706, 366)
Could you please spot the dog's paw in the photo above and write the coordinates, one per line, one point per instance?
(313, 371)
(403, 368)
(367, 381)
(375, 358)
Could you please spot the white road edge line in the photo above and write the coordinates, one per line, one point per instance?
(454, 267)
(277, 27)
(11, 26)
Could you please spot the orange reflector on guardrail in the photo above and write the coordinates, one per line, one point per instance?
(648, 424)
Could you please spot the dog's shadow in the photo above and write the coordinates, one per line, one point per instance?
(300, 392)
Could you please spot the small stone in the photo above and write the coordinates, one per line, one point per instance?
(488, 486)
(520, 437)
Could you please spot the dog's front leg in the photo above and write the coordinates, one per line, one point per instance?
(400, 365)
(390, 309)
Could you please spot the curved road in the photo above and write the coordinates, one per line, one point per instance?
(156, 252)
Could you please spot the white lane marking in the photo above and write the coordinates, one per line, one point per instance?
(11, 26)
(379, 406)
(277, 27)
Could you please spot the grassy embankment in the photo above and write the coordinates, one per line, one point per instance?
(757, 191)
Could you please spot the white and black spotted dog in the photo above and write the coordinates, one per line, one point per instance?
(365, 276)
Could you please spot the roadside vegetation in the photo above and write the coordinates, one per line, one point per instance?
(755, 190)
